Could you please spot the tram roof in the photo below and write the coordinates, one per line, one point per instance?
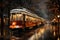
(17, 10)
(27, 12)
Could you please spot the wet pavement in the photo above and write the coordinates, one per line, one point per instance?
(46, 32)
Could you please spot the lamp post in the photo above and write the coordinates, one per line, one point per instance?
(58, 26)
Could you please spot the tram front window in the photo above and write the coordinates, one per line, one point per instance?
(16, 20)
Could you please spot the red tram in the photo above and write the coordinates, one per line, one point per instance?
(21, 18)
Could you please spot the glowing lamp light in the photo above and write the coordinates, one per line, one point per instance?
(58, 16)
(17, 26)
(14, 23)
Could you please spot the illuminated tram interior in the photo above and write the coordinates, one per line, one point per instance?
(17, 21)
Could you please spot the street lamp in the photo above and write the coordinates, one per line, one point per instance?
(58, 26)
(58, 16)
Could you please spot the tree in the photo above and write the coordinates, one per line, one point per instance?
(53, 7)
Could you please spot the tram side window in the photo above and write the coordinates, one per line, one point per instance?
(15, 17)
(19, 17)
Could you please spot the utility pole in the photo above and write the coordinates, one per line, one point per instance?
(2, 23)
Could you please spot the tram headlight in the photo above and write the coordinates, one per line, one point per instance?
(13, 23)
(17, 26)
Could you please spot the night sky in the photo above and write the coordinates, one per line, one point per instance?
(39, 7)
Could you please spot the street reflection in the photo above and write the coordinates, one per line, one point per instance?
(58, 38)
(40, 33)
(54, 34)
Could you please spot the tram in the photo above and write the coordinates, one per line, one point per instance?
(23, 18)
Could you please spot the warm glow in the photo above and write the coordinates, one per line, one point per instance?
(14, 23)
(58, 38)
(58, 16)
(42, 30)
(30, 24)
(17, 26)
(27, 17)
(54, 33)
(14, 17)
(19, 15)
(11, 26)
(33, 19)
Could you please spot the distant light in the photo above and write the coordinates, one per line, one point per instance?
(58, 16)
(58, 38)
